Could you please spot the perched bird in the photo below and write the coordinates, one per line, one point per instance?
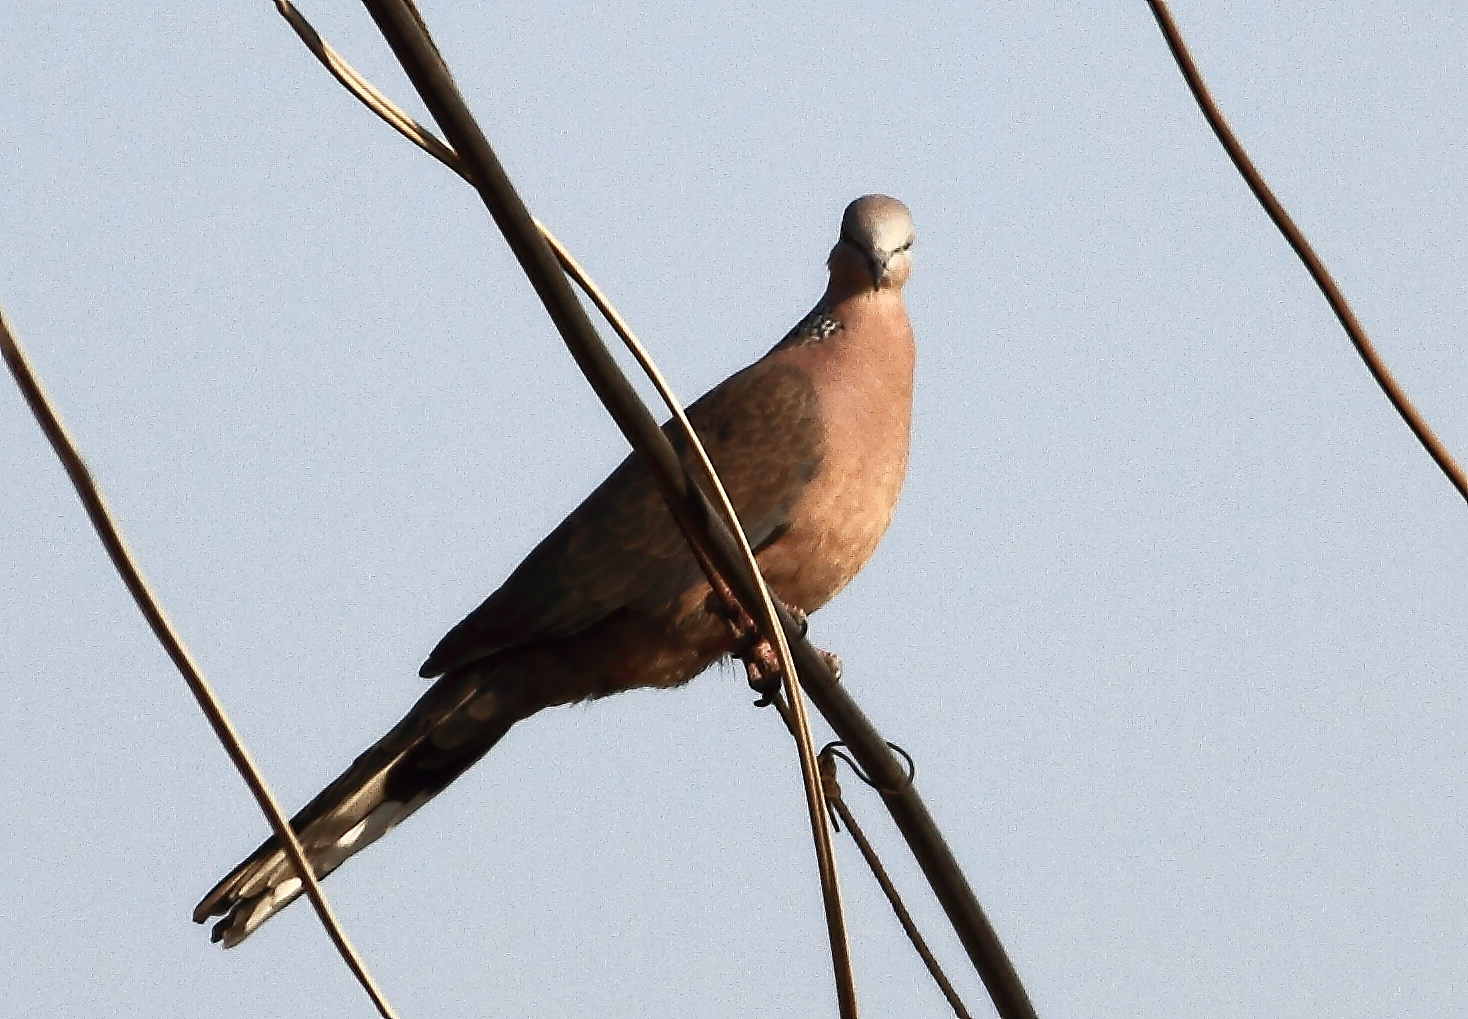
(811, 442)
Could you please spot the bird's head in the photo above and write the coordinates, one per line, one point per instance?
(875, 249)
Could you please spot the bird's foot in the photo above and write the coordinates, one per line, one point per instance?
(761, 661)
(761, 667)
(763, 680)
(798, 617)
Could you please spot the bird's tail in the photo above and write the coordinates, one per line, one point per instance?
(452, 726)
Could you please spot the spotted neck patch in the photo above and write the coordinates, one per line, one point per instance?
(816, 327)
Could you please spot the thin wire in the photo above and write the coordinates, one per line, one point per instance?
(834, 750)
(809, 767)
(874, 862)
(132, 577)
(394, 116)
(1306, 253)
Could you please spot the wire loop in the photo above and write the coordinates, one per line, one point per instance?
(830, 750)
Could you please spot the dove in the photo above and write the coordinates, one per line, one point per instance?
(811, 442)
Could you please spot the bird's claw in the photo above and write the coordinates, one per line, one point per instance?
(762, 666)
(762, 663)
(767, 685)
(798, 617)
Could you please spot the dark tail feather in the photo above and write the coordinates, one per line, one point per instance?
(452, 726)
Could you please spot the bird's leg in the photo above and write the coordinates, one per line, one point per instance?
(763, 667)
(761, 661)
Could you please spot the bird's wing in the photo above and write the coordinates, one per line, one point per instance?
(620, 549)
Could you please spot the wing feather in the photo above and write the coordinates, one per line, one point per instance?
(620, 549)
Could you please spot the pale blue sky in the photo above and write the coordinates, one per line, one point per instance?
(1171, 614)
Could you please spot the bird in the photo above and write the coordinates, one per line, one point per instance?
(811, 442)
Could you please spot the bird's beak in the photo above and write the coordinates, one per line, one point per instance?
(877, 264)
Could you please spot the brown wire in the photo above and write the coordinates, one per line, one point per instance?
(834, 749)
(839, 809)
(1306, 253)
(112, 540)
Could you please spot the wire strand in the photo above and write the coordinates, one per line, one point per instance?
(1333, 296)
(122, 560)
(874, 863)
